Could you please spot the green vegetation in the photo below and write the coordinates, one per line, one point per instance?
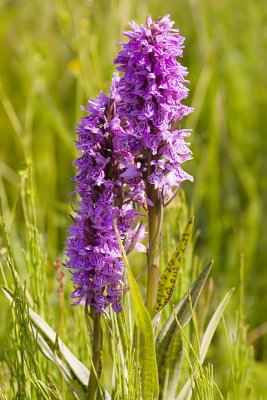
(54, 56)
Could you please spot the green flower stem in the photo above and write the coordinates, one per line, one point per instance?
(96, 356)
(155, 217)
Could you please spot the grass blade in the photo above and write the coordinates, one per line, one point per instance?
(80, 371)
(73, 371)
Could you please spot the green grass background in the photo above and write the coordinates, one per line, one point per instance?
(57, 54)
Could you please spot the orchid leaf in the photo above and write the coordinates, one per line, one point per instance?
(171, 331)
(169, 374)
(146, 347)
(168, 278)
(209, 332)
(186, 391)
(183, 309)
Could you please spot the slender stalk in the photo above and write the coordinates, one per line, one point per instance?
(155, 217)
(2, 270)
(96, 356)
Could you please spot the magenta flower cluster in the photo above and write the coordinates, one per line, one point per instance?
(128, 140)
(151, 90)
(92, 246)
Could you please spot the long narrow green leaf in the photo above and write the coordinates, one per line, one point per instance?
(169, 374)
(183, 312)
(73, 383)
(146, 348)
(183, 309)
(76, 366)
(170, 273)
(186, 391)
(46, 347)
(74, 372)
(209, 332)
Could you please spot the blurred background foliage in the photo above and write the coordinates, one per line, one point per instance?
(57, 54)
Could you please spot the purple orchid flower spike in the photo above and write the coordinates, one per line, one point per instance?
(151, 91)
(106, 194)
